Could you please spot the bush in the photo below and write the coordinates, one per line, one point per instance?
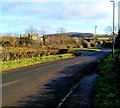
(63, 51)
(118, 40)
(108, 45)
(85, 44)
(76, 53)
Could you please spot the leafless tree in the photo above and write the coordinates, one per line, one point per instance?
(61, 30)
(109, 29)
(43, 33)
(31, 31)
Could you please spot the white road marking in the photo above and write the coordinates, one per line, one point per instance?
(63, 100)
(6, 84)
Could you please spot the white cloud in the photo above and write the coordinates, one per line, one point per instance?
(44, 0)
(13, 18)
(74, 15)
(14, 7)
(86, 11)
(57, 1)
(36, 11)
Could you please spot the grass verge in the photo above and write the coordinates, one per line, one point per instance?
(106, 89)
(5, 66)
(89, 49)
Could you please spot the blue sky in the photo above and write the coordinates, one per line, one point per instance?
(50, 15)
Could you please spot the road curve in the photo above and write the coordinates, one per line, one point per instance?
(44, 84)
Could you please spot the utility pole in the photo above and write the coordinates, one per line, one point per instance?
(113, 40)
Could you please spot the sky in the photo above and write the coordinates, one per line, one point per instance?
(50, 15)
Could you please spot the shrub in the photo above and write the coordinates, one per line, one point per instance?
(76, 53)
(84, 44)
(107, 45)
(63, 51)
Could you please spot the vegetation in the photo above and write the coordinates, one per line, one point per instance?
(106, 89)
(89, 49)
(118, 40)
(94, 49)
(29, 48)
(107, 93)
(31, 45)
(9, 54)
(102, 35)
(32, 61)
(76, 53)
(56, 41)
(106, 66)
(107, 45)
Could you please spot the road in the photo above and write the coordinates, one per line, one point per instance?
(45, 84)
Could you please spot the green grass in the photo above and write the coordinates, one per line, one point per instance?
(102, 38)
(107, 93)
(5, 66)
(106, 89)
(101, 35)
(94, 49)
(106, 66)
(90, 49)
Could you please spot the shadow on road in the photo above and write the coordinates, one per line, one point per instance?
(51, 94)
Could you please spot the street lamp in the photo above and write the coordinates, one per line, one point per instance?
(95, 32)
(113, 41)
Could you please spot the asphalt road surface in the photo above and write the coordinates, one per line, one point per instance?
(45, 84)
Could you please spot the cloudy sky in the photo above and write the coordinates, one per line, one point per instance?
(50, 15)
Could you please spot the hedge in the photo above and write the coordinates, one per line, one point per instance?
(16, 55)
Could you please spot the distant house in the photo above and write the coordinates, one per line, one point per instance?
(36, 38)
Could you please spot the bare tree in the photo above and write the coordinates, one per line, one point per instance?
(31, 31)
(61, 30)
(44, 36)
(109, 29)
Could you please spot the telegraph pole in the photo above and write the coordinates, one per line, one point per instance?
(113, 40)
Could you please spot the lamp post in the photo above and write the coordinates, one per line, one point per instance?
(95, 33)
(113, 41)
